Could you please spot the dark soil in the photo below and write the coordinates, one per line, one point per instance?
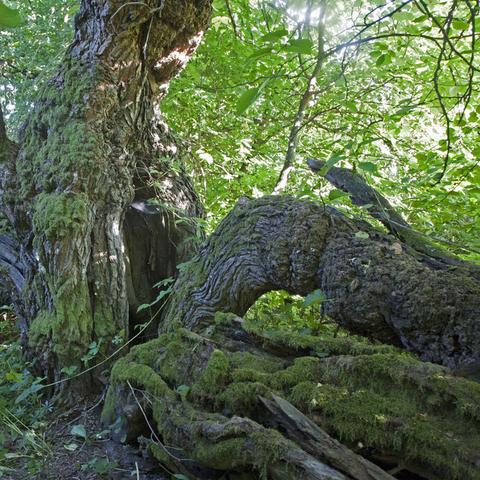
(97, 457)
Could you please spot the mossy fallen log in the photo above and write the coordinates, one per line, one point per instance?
(212, 401)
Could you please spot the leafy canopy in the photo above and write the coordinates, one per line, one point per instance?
(388, 88)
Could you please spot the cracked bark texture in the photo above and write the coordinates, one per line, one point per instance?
(78, 193)
(374, 286)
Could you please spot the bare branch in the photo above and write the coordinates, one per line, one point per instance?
(232, 18)
(307, 97)
(3, 130)
(380, 208)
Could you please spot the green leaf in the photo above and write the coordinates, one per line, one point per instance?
(247, 99)
(363, 235)
(79, 431)
(103, 466)
(261, 52)
(383, 59)
(300, 45)
(183, 390)
(69, 371)
(333, 160)
(274, 36)
(335, 194)
(71, 447)
(9, 18)
(460, 24)
(314, 298)
(29, 391)
(368, 167)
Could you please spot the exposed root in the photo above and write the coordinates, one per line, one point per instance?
(214, 398)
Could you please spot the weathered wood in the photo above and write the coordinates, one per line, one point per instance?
(364, 195)
(286, 418)
(374, 285)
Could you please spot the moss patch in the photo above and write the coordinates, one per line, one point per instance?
(369, 395)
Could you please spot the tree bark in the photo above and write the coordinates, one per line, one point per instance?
(92, 157)
(374, 286)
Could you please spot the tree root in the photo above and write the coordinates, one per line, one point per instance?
(228, 401)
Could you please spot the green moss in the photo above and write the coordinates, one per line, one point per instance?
(225, 455)
(270, 446)
(303, 369)
(41, 329)
(393, 421)
(216, 376)
(386, 401)
(249, 361)
(258, 449)
(59, 144)
(225, 318)
(70, 318)
(58, 214)
(323, 345)
(242, 397)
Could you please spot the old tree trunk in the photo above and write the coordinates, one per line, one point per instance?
(91, 197)
(84, 244)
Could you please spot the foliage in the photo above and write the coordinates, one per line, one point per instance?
(395, 97)
(397, 91)
(281, 310)
(22, 422)
(31, 52)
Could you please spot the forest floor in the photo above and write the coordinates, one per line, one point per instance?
(84, 457)
(40, 441)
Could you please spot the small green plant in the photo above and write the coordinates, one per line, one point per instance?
(166, 285)
(101, 466)
(276, 310)
(22, 423)
(8, 329)
(92, 352)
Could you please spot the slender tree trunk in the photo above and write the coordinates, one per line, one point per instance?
(78, 192)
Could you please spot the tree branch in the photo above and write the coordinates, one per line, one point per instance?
(380, 208)
(307, 97)
(375, 285)
(3, 130)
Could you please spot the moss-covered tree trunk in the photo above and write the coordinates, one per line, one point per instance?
(77, 189)
(375, 284)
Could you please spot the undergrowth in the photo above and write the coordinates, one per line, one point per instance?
(22, 411)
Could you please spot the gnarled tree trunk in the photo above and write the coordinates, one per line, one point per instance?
(77, 190)
(375, 285)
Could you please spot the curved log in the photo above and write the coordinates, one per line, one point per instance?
(374, 286)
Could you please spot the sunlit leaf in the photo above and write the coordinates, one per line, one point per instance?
(301, 45)
(9, 18)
